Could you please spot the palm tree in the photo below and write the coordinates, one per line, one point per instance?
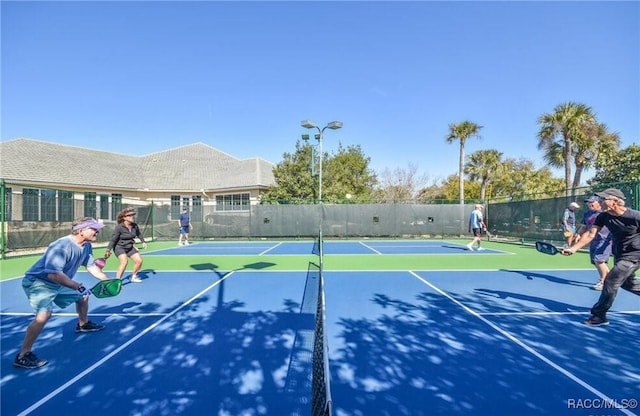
(560, 131)
(592, 143)
(461, 132)
(482, 166)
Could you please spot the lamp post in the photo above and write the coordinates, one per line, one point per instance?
(334, 125)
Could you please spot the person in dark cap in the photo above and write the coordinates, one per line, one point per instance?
(184, 222)
(600, 247)
(123, 243)
(49, 282)
(624, 226)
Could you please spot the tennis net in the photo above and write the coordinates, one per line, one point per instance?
(321, 404)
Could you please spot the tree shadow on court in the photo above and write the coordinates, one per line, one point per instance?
(554, 279)
(432, 357)
(208, 358)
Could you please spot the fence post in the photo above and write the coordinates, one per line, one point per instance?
(3, 217)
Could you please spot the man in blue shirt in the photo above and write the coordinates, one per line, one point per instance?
(50, 282)
(476, 225)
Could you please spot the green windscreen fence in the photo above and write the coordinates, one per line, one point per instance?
(31, 218)
(530, 220)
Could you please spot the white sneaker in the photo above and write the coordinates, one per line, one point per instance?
(179, 243)
(480, 248)
(186, 243)
(135, 279)
(598, 286)
(469, 247)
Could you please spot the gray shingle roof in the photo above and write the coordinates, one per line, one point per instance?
(191, 167)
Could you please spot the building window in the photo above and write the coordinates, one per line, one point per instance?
(175, 206)
(30, 204)
(90, 206)
(65, 206)
(196, 211)
(7, 204)
(233, 202)
(116, 205)
(104, 206)
(47, 205)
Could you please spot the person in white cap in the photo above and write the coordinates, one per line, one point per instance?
(624, 225)
(569, 223)
(50, 282)
(476, 225)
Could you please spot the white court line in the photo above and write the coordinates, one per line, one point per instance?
(90, 314)
(369, 247)
(551, 313)
(269, 249)
(526, 347)
(107, 357)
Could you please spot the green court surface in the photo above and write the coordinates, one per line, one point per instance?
(513, 256)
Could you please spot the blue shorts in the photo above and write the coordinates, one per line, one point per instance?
(42, 295)
(600, 251)
(477, 232)
(184, 229)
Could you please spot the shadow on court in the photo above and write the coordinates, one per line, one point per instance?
(210, 357)
(430, 357)
(551, 278)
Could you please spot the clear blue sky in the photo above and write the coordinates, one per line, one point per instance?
(141, 77)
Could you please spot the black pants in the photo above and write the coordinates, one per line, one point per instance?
(622, 275)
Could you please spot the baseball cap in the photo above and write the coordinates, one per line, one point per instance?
(611, 192)
(592, 198)
(90, 223)
(574, 205)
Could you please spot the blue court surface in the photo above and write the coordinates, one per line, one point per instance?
(207, 342)
(267, 248)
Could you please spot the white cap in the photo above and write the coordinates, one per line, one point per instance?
(574, 205)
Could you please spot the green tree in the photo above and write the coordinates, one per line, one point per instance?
(293, 179)
(613, 166)
(461, 132)
(348, 176)
(346, 172)
(563, 134)
(520, 177)
(482, 166)
(595, 139)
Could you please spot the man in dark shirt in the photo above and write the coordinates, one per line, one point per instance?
(185, 225)
(624, 225)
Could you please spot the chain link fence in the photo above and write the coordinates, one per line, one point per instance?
(33, 218)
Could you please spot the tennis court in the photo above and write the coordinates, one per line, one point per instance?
(413, 327)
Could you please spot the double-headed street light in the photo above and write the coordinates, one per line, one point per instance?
(334, 125)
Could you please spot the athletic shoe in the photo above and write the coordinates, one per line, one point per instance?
(89, 327)
(596, 321)
(480, 248)
(186, 243)
(598, 286)
(135, 279)
(179, 243)
(469, 247)
(28, 360)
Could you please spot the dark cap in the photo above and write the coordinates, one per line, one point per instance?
(611, 192)
(592, 198)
